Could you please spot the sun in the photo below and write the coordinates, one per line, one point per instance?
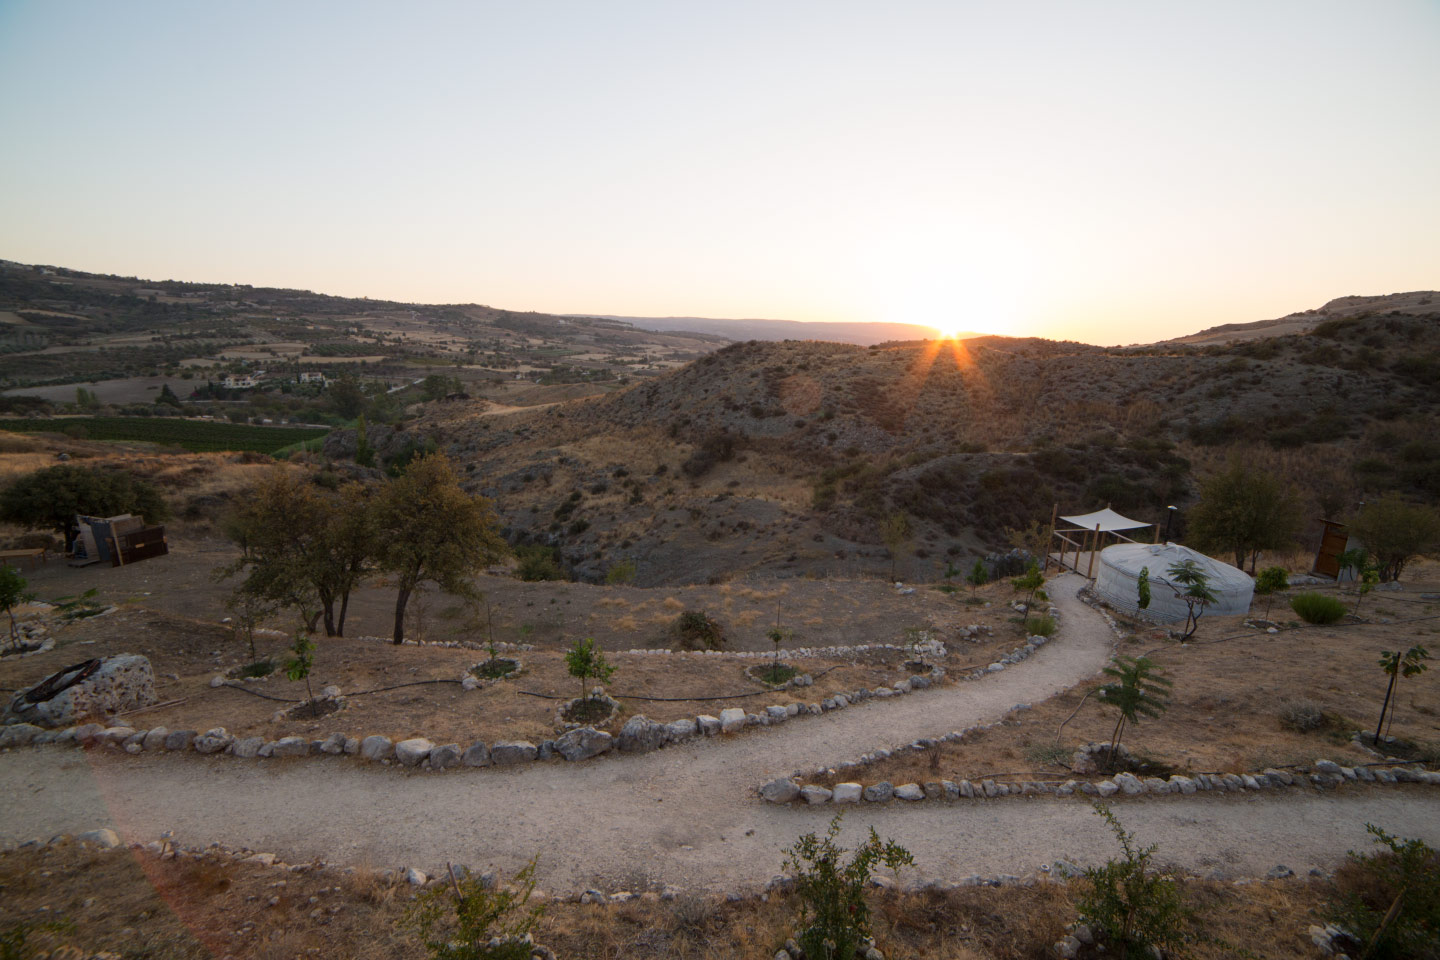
(948, 329)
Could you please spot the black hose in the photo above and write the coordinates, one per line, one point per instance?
(627, 696)
(358, 693)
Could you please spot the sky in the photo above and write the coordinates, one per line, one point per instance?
(1100, 171)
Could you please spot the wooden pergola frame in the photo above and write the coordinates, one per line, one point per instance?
(1093, 537)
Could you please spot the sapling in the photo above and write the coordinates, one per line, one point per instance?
(302, 659)
(978, 577)
(1197, 594)
(1143, 589)
(1031, 582)
(1270, 582)
(1139, 690)
(586, 660)
(835, 915)
(1411, 663)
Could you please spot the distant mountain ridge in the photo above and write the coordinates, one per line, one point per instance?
(862, 334)
(1414, 302)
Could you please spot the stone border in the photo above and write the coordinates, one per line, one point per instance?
(565, 726)
(1322, 774)
(639, 735)
(470, 680)
(46, 646)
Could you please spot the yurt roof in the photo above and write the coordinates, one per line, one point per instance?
(1160, 557)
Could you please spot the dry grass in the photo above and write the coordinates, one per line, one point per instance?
(1233, 687)
(139, 905)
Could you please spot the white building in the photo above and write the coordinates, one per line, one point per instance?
(312, 376)
(238, 381)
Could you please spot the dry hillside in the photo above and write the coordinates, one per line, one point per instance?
(783, 457)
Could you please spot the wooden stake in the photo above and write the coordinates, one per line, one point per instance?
(1094, 546)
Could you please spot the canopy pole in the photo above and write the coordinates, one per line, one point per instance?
(1094, 546)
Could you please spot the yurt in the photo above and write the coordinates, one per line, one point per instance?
(1118, 580)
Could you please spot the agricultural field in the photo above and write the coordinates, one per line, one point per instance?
(198, 436)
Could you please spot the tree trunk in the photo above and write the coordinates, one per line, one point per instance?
(1385, 706)
(312, 622)
(340, 621)
(329, 618)
(1240, 558)
(401, 598)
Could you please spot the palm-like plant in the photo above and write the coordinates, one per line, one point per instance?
(1408, 664)
(1139, 690)
(1197, 593)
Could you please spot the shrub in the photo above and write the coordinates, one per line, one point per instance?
(466, 920)
(621, 571)
(537, 563)
(698, 631)
(1317, 607)
(257, 668)
(832, 893)
(1302, 716)
(1039, 624)
(1133, 908)
(1405, 879)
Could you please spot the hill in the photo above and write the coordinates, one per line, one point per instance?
(863, 334)
(783, 458)
(1418, 303)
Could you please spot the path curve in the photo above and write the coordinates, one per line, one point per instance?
(688, 816)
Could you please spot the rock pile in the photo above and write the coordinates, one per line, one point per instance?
(114, 685)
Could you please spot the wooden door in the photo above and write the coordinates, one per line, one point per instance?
(1332, 544)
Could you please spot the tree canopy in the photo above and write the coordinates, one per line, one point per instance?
(1243, 511)
(1395, 532)
(428, 528)
(51, 498)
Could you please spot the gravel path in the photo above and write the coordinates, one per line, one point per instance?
(688, 816)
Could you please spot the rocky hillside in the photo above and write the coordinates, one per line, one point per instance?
(785, 457)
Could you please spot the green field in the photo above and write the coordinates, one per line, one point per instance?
(196, 435)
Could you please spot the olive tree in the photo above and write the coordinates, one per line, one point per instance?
(428, 529)
(1243, 511)
(1395, 532)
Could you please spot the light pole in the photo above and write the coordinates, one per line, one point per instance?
(1169, 515)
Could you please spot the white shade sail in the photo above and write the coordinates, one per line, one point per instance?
(1107, 519)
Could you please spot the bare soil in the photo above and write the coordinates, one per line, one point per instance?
(194, 907)
(1233, 687)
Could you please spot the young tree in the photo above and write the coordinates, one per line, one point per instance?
(1411, 663)
(1197, 594)
(1242, 512)
(167, 396)
(586, 660)
(301, 660)
(977, 577)
(49, 499)
(834, 913)
(343, 555)
(1134, 907)
(471, 919)
(428, 528)
(896, 531)
(1031, 582)
(12, 594)
(1142, 589)
(1270, 582)
(1395, 532)
(1139, 690)
(277, 526)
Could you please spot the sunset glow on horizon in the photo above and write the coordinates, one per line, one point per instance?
(1108, 172)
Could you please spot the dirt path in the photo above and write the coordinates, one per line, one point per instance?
(688, 816)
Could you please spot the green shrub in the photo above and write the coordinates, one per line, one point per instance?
(1133, 908)
(832, 893)
(258, 668)
(466, 920)
(698, 631)
(537, 563)
(1039, 624)
(621, 571)
(1404, 878)
(1317, 607)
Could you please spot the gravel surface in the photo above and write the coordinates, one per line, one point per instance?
(689, 816)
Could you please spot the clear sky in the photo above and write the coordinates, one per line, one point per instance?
(1110, 172)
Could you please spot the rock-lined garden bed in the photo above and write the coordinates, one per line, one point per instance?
(1322, 774)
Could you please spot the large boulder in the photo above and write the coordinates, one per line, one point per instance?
(641, 735)
(583, 743)
(377, 748)
(782, 790)
(90, 689)
(445, 755)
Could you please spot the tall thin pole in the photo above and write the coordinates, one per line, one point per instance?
(1094, 546)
